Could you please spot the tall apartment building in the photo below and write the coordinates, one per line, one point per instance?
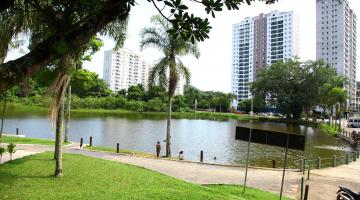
(260, 41)
(124, 68)
(336, 40)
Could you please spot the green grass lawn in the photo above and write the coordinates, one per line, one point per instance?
(91, 178)
(25, 140)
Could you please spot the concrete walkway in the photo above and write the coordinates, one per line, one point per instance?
(324, 183)
(23, 150)
(266, 179)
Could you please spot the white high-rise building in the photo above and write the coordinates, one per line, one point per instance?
(260, 41)
(336, 40)
(124, 68)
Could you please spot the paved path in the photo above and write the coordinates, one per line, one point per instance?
(324, 183)
(23, 150)
(197, 173)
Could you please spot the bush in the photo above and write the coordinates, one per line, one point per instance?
(155, 105)
(11, 149)
(328, 129)
(2, 151)
(135, 105)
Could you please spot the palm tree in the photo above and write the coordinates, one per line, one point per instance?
(169, 68)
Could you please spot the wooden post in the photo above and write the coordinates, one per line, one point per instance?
(318, 166)
(358, 153)
(347, 158)
(306, 192)
(201, 156)
(17, 131)
(302, 188)
(90, 143)
(308, 175)
(301, 162)
(304, 165)
(81, 142)
(273, 164)
(334, 161)
(117, 148)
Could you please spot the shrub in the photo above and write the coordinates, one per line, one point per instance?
(11, 149)
(135, 105)
(2, 151)
(155, 105)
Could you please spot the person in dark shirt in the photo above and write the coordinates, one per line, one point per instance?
(158, 148)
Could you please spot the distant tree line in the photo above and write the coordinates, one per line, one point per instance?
(90, 91)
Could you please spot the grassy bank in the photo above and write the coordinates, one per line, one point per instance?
(328, 129)
(123, 151)
(90, 178)
(16, 107)
(25, 140)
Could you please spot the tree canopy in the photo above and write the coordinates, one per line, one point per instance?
(70, 24)
(294, 87)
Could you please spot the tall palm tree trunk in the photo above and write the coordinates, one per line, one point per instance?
(2, 117)
(340, 112)
(58, 139)
(67, 116)
(168, 127)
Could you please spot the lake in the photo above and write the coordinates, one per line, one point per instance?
(215, 137)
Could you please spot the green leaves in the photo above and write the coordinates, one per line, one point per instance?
(293, 86)
(193, 28)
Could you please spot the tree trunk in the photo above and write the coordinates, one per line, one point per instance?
(340, 117)
(67, 116)
(168, 127)
(58, 141)
(2, 117)
(331, 116)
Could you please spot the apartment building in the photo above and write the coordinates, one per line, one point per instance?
(258, 42)
(336, 40)
(124, 68)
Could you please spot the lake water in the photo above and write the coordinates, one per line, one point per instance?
(215, 137)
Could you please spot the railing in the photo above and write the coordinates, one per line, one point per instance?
(328, 162)
(349, 136)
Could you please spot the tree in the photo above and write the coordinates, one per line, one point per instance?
(121, 93)
(258, 104)
(85, 83)
(156, 91)
(294, 87)
(71, 24)
(84, 54)
(191, 95)
(169, 68)
(179, 104)
(4, 98)
(136, 92)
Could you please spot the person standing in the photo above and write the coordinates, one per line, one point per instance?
(158, 148)
(181, 155)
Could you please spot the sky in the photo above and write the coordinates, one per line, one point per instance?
(212, 71)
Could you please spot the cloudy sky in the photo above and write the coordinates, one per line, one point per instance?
(212, 71)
